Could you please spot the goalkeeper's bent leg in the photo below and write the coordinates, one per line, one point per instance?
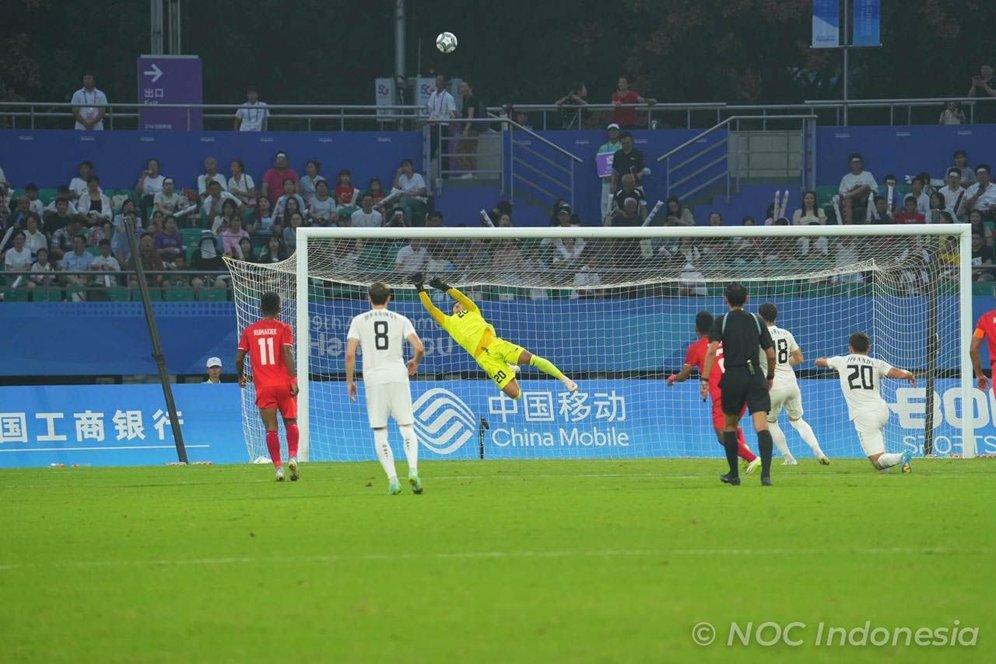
(546, 366)
(410, 445)
(384, 454)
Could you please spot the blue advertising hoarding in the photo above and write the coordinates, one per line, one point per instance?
(169, 79)
(867, 23)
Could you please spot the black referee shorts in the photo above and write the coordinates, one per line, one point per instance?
(739, 388)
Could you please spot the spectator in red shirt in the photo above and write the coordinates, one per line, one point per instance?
(273, 179)
(910, 215)
(622, 116)
(345, 186)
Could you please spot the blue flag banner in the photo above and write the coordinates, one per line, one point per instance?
(867, 23)
(826, 23)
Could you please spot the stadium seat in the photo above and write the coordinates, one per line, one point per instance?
(47, 294)
(155, 294)
(15, 295)
(119, 293)
(75, 290)
(179, 294)
(213, 294)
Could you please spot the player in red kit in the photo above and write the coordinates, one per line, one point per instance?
(985, 329)
(695, 358)
(269, 343)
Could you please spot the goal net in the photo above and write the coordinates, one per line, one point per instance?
(615, 310)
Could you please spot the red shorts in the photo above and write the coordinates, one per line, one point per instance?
(718, 420)
(277, 396)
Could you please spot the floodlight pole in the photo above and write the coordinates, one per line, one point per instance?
(157, 347)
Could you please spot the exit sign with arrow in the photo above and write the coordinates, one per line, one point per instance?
(170, 79)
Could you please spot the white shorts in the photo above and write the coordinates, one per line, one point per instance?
(789, 397)
(389, 399)
(870, 426)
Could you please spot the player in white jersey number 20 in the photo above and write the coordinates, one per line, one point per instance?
(381, 334)
(860, 376)
(785, 390)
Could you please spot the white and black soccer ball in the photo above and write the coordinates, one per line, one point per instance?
(446, 42)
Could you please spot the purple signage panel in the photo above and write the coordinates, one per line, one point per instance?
(169, 79)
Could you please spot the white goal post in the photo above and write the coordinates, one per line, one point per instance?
(617, 317)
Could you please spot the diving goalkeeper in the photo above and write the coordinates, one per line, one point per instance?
(499, 358)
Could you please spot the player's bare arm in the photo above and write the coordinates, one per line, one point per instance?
(710, 360)
(419, 349)
(981, 380)
(240, 366)
(903, 374)
(351, 346)
(681, 376)
(822, 362)
(796, 358)
(770, 354)
(288, 353)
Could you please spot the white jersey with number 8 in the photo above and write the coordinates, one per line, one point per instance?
(382, 335)
(784, 346)
(860, 377)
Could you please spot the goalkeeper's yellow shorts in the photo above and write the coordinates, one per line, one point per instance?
(495, 358)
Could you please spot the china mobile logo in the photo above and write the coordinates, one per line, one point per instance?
(443, 421)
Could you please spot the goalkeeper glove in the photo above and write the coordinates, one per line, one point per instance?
(439, 284)
(417, 280)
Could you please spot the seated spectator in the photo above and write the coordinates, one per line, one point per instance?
(322, 208)
(715, 219)
(206, 257)
(273, 178)
(938, 215)
(367, 216)
(274, 251)
(677, 214)
(959, 160)
(983, 260)
(167, 200)
(692, 282)
(627, 215)
(210, 175)
(344, 213)
(151, 263)
(290, 230)
(376, 190)
(809, 213)
(119, 232)
(920, 191)
(952, 114)
(150, 183)
(566, 251)
(628, 189)
(980, 196)
(62, 239)
(79, 184)
(290, 208)
(93, 204)
(213, 206)
(105, 262)
(910, 214)
(890, 185)
(952, 191)
(854, 190)
(156, 223)
(77, 260)
(34, 204)
(564, 217)
(169, 241)
(290, 192)
(504, 220)
(19, 214)
(18, 258)
(245, 251)
(263, 219)
(41, 271)
(880, 213)
(344, 185)
(410, 191)
(979, 226)
(63, 193)
(411, 258)
(232, 235)
(34, 239)
(241, 184)
(750, 221)
(310, 179)
(60, 217)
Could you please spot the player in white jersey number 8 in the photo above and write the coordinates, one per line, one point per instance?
(785, 391)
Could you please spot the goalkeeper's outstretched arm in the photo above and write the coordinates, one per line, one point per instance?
(423, 297)
(455, 293)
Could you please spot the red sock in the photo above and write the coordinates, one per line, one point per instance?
(273, 444)
(293, 436)
(742, 450)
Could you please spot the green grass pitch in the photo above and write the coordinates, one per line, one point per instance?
(530, 561)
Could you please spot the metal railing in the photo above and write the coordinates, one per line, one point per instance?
(685, 176)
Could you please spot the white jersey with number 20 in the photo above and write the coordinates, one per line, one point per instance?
(382, 334)
(860, 376)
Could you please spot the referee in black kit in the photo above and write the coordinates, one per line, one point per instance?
(742, 335)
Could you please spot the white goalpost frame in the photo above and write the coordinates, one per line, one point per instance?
(962, 231)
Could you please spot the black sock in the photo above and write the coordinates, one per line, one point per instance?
(730, 445)
(764, 446)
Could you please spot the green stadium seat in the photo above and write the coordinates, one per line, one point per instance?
(155, 294)
(213, 294)
(179, 294)
(15, 295)
(119, 293)
(47, 294)
(75, 290)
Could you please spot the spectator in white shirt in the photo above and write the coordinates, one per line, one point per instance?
(216, 196)
(587, 278)
(854, 190)
(41, 270)
(253, 114)
(89, 105)
(920, 194)
(322, 208)
(119, 236)
(93, 204)
(62, 193)
(34, 239)
(809, 213)
(210, 174)
(78, 185)
(168, 201)
(411, 258)
(290, 192)
(34, 204)
(105, 262)
(952, 191)
(366, 216)
(311, 178)
(410, 191)
(442, 109)
(150, 182)
(18, 258)
(241, 184)
(980, 196)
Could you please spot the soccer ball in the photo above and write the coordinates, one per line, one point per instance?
(446, 42)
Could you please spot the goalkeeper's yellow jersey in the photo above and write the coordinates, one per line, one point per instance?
(470, 330)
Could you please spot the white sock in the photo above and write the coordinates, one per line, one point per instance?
(384, 454)
(411, 446)
(778, 437)
(889, 460)
(807, 435)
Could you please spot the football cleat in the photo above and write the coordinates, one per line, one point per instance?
(824, 460)
(765, 480)
(752, 466)
(394, 488)
(415, 482)
(907, 463)
(732, 480)
(292, 465)
(569, 384)
(280, 474)
(789, 461)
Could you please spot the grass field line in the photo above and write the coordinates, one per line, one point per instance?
(471, 555)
